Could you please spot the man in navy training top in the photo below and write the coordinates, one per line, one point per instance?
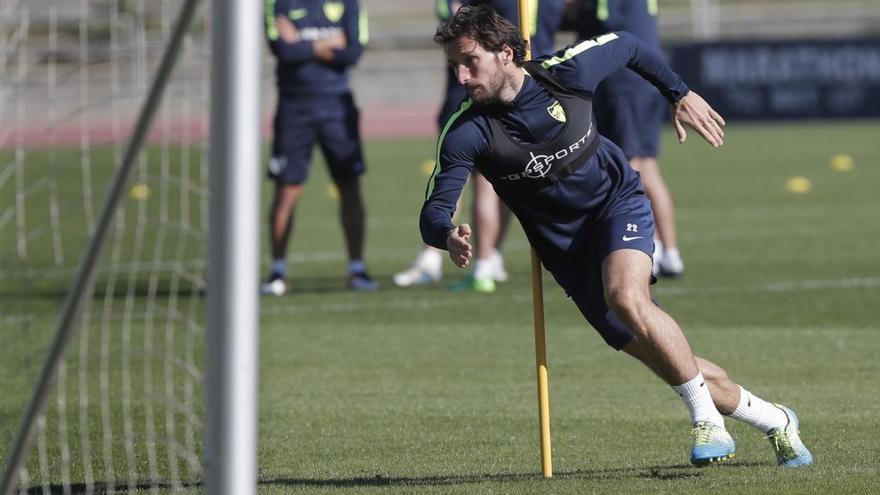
(528, 128)
(489, 217)
(316, 42)
(630, 113)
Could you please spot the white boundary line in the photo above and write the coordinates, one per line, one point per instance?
(431, 299)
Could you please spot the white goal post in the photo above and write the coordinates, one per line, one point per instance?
(118, 383)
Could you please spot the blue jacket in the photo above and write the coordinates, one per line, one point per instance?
(298, 72)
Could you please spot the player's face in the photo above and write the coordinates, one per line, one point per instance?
(478, 70)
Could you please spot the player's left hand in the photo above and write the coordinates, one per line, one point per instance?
(286, 30)
(693, 111)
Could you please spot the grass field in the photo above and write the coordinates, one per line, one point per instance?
(427, 391)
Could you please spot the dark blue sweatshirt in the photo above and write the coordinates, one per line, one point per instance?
(298, 72)
(555, 216)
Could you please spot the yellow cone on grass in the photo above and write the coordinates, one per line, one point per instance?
(798, 185)
(428, 167)
(140, 192)
(842, 162)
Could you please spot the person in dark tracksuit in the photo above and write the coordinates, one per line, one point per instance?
(490, 218)
(631, 113)
(316, 42)
(529, 128)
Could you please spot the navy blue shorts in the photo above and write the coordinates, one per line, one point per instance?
(330, 121)
(628, 225)
(632, 119)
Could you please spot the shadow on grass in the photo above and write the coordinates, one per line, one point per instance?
(669, 472)
(102, 487)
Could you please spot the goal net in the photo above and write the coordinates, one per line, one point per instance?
(126, 411)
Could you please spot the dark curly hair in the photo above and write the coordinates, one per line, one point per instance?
(484, 26)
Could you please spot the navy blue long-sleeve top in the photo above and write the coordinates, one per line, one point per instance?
(553, 217)
(299, 72)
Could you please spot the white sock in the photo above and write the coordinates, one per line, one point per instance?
(279, 266)
(758, 412)
(695, 394)
(356, 266)
(483, 268)
(672, 254)
(496, 256)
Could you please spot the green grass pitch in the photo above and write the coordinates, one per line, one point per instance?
(427, 391)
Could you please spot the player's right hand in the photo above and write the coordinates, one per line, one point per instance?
(325, 48)
(458, 246)
(693, 111)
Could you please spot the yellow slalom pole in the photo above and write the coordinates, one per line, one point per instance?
(538, 305)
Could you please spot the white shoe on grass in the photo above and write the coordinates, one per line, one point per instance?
(276, 285)
(712, 444)
(426, 269)
(499, 274)
(790, 450)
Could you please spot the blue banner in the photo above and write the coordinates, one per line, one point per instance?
(784, 79)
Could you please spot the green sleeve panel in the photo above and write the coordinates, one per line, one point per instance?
(464, 106)
(271, 28)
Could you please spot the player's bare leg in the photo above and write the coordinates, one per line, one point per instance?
(661, 345)
(352, 215)
(281, 216)
(487, 227)
(498, 270)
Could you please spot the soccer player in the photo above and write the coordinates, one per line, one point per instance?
(528, 127)
(316, 42)
(489, 216)
(630, 113)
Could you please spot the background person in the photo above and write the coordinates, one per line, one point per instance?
(316, 42)
(630, 113)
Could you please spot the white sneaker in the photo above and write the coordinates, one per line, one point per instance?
(786, 442)
(499, 274)
(427, 268)
(275, 286)
(671, 265)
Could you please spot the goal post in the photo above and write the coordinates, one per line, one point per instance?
(233, 251)
(115, 367)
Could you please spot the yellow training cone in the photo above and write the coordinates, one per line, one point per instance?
(842, 162)
(798, 185)
(140, 192)
(428, 167)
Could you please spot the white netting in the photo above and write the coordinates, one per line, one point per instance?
(126, 413)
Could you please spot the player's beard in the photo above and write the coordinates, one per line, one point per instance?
(490, 92)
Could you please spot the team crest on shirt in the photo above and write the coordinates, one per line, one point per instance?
(297, 14)
(333, 11)
(555, 110)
